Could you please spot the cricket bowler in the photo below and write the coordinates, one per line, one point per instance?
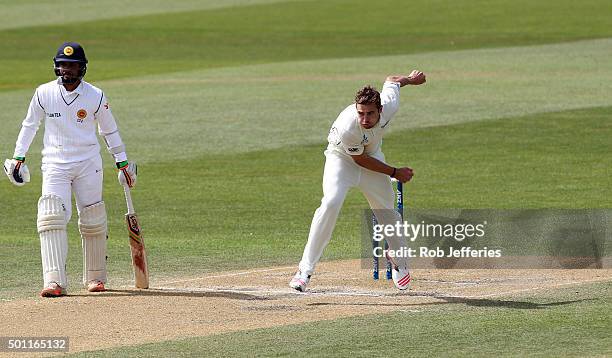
(354, 159)
(71, 163)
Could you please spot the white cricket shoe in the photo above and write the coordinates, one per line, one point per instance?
(299, 281)
(96, 286)
(53, 290)
(401, 277)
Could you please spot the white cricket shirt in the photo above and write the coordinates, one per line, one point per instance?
(348, 137)
(71, 119)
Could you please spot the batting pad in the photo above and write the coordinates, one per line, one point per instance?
(92, 225)
(51, 225)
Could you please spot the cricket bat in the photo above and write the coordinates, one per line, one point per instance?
(137, 248)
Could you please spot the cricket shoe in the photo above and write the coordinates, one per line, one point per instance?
(299, 281)
(53, 290)
(401, 277)
(96, 286)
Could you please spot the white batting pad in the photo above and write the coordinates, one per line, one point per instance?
(53, 239)
(92, 225)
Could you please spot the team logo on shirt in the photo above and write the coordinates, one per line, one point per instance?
(68, 50)
(81, 114)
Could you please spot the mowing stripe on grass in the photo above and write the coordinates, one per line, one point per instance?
(243, 109)
(297, 30)
(18, 14)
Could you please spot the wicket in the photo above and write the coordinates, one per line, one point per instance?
(399, 206)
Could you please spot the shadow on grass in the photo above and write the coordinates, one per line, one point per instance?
(476, 302)
(482, 302)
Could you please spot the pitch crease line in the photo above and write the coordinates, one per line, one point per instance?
(268, 291)
(230, 274)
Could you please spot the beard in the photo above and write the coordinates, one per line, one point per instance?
(69, 79)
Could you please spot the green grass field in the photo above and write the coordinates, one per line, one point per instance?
(226, 107)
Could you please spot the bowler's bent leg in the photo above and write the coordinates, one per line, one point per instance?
(339, 175)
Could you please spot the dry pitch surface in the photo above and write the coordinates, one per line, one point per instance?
(260, 298)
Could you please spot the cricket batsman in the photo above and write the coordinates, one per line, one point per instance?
(71, 163)
(354, 159)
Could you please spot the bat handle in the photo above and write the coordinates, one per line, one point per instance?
(399, 196)
(400, 199)
(128, 199)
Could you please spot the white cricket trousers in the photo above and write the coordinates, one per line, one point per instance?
(340, 174)
(84, 179)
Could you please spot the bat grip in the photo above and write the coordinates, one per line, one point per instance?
(400, 198)
(128, 199)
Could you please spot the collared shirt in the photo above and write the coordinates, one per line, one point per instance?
(71, 119)
(348, 137)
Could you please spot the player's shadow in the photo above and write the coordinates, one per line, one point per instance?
(483, 302)
(476, 302)
(117, 293)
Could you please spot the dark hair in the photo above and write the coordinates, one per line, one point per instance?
(368, 95)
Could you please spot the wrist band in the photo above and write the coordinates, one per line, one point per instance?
(393, 174)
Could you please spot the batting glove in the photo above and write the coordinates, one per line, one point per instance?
(127, 173)
(17, 171)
